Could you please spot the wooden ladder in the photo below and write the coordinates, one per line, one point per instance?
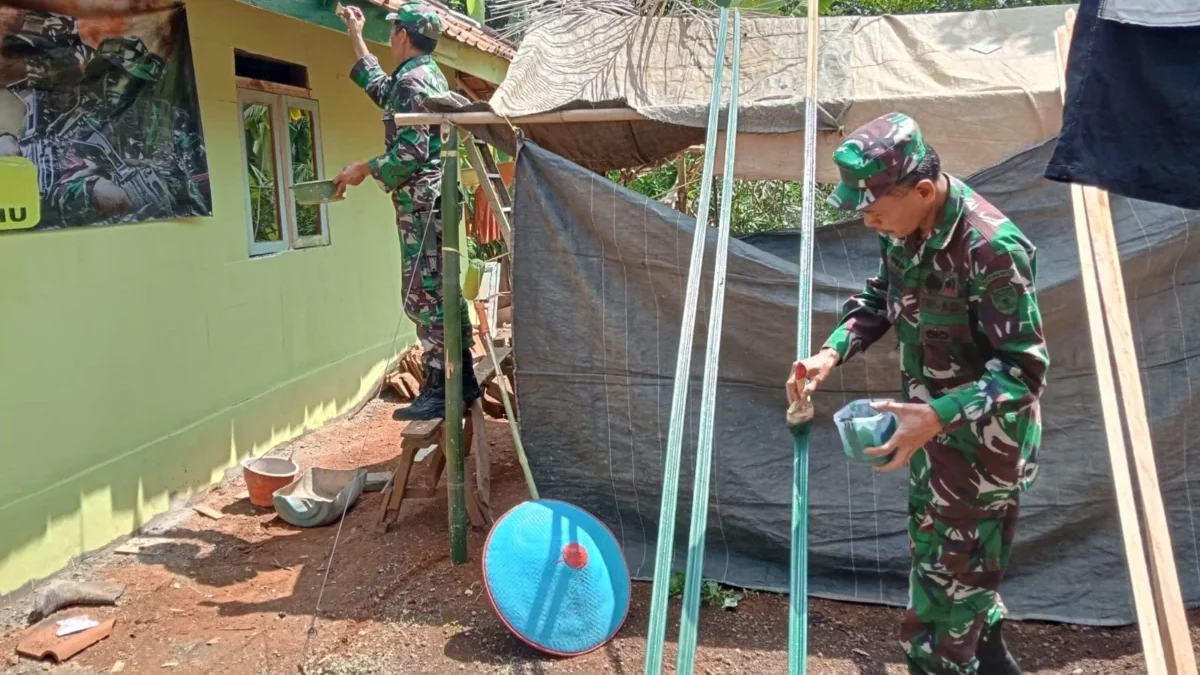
(480, 156)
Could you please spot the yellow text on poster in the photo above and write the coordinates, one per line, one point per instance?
(20, 203)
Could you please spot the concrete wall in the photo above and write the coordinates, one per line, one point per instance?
(138, 362)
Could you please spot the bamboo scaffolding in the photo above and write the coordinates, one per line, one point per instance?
(582, 115)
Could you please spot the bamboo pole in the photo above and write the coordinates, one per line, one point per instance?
(689, 627)
(656, 633)
(558, 117)
(798, 575)
(452, 317)
(1131, 532)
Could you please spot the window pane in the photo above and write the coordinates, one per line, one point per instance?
(304, 167)
(260, 168)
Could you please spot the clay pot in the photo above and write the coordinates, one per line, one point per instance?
(265, 475)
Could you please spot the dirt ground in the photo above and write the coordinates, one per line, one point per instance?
(237, 596)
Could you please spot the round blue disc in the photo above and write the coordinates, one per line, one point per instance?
(556, 577)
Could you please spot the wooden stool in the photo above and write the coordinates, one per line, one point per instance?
(422, 434)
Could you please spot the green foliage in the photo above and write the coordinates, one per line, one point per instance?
(711, 593)
(758, 206)
(260, 166)
(485, 252)
(678, 580)
(304, 168)
(476, 10)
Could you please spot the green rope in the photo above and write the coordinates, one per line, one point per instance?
(689, 628)
(664, 551)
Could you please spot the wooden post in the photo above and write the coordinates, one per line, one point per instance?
(1131, 531)
(557, 117)
(1157, 599)
(451, 302)
(681, 189)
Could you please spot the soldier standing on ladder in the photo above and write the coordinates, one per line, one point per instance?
(411, 170)
(956, 279)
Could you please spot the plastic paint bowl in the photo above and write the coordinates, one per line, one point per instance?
(315, 192)
(862, 427)
(265, 475)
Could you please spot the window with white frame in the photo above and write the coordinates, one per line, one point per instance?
(281, 146)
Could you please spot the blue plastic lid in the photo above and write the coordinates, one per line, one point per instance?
(556, 577)
(862, 427)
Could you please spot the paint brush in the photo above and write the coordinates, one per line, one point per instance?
(800, 411)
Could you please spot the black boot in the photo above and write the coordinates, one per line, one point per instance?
(993, 655)
(431, 402)
(470, 386)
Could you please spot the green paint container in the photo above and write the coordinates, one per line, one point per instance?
(862, 427)
(475, 270)
(315, 192)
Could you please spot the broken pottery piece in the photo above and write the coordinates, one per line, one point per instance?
(40, 642)
(319, 496)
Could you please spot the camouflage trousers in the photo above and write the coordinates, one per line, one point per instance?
(957, 564)
(421, 247)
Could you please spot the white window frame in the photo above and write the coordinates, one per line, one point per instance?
(279, 105)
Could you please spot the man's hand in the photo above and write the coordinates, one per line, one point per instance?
(353, 18)
(918, 424)
(818, 366)
(353, 174)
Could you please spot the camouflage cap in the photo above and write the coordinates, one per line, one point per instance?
(873, 158)
(40, 33)
(418, 18)
(129, 54)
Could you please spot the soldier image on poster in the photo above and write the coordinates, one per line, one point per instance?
(113, 129)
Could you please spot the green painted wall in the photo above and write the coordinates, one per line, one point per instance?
(140, 361)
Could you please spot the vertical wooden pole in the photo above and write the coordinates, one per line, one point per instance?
(1157, 595)
(1131, 531)
(1172, 620)
(451, 302)
(681, 189)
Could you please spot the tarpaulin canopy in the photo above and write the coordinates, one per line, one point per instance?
(599, 277)
(982, 85)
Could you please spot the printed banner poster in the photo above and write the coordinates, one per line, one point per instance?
(105, 107)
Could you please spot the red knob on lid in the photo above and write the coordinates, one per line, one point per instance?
(575, 556)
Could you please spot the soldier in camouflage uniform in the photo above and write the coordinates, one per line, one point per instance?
(956, 280)
(80, 123)
(411, 170)
(102, 177)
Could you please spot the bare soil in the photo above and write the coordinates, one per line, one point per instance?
(238, 596)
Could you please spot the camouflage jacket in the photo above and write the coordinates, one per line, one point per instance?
(966, 315)
(411, 167)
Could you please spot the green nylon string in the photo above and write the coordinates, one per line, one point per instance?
(689, 628)
(664, 551)
(798, 595)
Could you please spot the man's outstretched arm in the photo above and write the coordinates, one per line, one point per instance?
(366, 72)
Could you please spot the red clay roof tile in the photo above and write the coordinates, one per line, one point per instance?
(464, 29)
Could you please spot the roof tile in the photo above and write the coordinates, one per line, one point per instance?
(463, 29)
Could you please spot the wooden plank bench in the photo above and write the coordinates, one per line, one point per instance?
(420, 435)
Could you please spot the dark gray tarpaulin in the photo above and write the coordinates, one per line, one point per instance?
(600, 273)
